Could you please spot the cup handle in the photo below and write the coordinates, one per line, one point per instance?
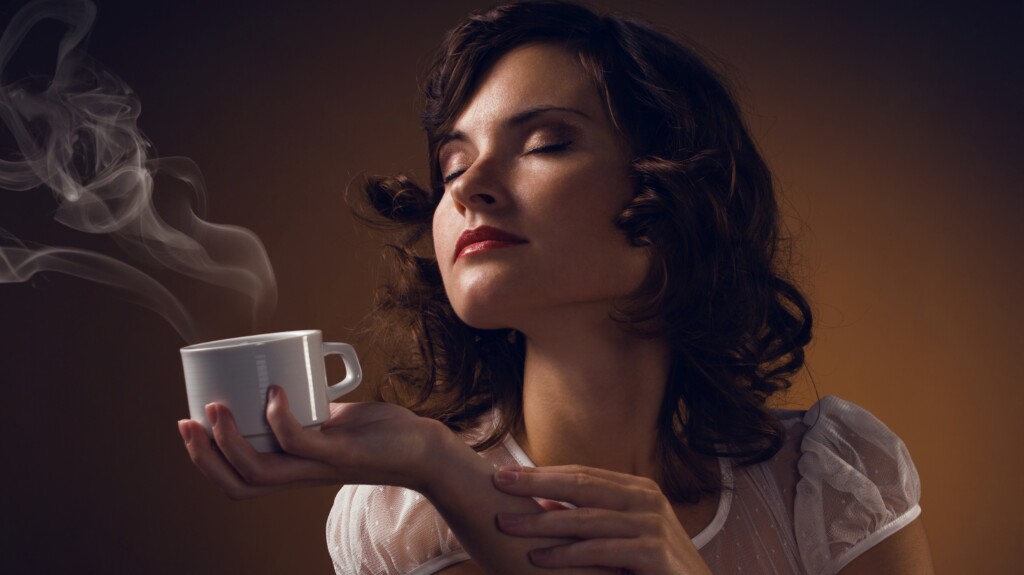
(353, 372)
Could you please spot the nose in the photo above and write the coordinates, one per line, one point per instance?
(480, 188)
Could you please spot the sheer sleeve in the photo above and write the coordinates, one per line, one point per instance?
(858, 485)
(377, 530)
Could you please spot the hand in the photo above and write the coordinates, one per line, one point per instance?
(365, 443)
(622, 521)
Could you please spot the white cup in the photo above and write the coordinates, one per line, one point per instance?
(238, 372)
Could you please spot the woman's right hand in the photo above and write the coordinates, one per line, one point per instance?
(364, 443)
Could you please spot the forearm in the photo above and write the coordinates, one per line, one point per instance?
(462, 490)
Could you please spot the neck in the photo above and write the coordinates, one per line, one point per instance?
(591, 396)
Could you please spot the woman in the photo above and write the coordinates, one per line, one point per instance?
(604, 316)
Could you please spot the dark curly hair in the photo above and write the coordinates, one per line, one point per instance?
(704, 203)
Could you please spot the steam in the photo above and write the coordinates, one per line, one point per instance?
(79, 139)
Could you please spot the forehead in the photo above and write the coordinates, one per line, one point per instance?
(531, 75)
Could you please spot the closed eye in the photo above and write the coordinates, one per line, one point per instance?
(550, 148)
(545, 149)
(447, 179)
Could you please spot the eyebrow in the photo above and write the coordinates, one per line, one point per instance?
(516, 120)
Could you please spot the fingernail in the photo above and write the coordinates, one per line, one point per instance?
(274, 391)
(506, 477)
(539, 554)
(186, 433)
(509, 519)
(515, 468)
(211, 413)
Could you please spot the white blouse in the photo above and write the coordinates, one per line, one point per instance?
(841, 483)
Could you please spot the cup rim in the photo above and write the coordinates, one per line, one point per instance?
(254, 339)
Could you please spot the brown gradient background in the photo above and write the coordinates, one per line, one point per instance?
(895, 133)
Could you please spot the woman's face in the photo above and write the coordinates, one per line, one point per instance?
(535, 177)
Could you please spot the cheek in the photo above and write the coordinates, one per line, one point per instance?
(435, 232)
(588, 201)
(443, 230)
(594, 182)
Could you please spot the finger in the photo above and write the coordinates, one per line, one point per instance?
(582, 523)
(255, 468)
(212, 464)
(290, 434)
(638, 554)
(549, 505)
(580, 487)
(612, 476)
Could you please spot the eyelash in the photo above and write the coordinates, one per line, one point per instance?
(447, 179)
(547, 149)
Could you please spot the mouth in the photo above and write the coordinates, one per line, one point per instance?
(485, 238)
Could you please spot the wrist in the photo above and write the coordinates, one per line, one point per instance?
(439, 449)
(446, 460)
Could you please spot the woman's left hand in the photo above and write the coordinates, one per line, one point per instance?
(622, 521)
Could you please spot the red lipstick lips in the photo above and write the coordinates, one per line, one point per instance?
(485, 238)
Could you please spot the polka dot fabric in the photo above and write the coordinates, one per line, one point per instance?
(841, 483)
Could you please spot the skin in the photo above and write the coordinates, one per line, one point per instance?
(535, 154)
(504, 172)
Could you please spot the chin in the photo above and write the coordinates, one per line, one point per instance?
(480, 319)
(490, 312)
(482, 302)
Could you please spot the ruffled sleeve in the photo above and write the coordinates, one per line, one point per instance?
(377, 530)
(857, 485)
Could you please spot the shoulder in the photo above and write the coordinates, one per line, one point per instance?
(385, 529)
(856, 483)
